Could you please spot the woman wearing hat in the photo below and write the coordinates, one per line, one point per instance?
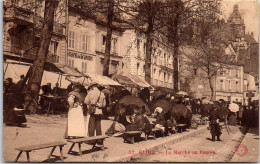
(76, 121)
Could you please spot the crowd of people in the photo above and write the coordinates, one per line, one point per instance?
(96, 102)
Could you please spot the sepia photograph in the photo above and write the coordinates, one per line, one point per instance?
(130, 81)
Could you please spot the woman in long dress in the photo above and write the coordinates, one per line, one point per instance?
(75, 122)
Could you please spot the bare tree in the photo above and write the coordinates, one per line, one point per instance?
(210, 58)
(146, 16)
(182, 17)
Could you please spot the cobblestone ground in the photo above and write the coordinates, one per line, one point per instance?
(200, 148)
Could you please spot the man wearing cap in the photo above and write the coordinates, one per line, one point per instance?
(97, 98)
(214, 123)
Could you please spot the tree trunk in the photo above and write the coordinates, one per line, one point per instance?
(110, 16)
(175, 54)
(148, 53)
(42, 52)
(211, 89)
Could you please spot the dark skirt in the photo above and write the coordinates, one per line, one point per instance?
(233, 119)
(12, 118)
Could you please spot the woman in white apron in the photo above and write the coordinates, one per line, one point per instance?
(76, 122)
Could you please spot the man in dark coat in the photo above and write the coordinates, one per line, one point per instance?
(214, 123)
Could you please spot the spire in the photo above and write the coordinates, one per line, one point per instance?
(235, 8)
(235, 17)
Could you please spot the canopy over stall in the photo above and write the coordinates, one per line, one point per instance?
(124, 80)
(69, 70)
(15, 70)
(90, 79)
(137, 80)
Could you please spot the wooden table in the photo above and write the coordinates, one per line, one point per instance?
(51, 100)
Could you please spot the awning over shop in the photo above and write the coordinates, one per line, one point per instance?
(69, 70)
(14, 71)
(103, 80)
(124, 80)
(137, 80)
(92, 79)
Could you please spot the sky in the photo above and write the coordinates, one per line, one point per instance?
(249, 10)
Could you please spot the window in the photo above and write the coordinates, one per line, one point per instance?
(237, 73)
(137, 68)
(164, 77)
(248, 54)
(138, 44)
(71, 62)
(53, 48)
(114, 45)
(84, 67)
(229, 84)
(164, 58)
(84, 42)
(104, 38)
(169, 78)
(114, 66)
(57, 59)
(237, 86)
(195, 71)
(71, 39)
(221, 85)
(144, 47)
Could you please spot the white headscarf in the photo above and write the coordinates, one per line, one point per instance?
(158, 109)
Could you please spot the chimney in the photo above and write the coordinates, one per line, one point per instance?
(252, 34)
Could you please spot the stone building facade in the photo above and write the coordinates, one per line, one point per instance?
(22, 23)
(134, 58)
(227, 83)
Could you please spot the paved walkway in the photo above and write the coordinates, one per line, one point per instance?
(43, 129)
(248, 151)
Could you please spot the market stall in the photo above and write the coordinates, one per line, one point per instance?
(15, 70)
(89, 79)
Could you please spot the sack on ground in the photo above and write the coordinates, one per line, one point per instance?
(194, 125)
(119, 127)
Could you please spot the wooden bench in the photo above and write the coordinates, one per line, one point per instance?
(153, 132)
(171, 130)
(180, 127)
(29, 148)
(93, 139)
(132, 135)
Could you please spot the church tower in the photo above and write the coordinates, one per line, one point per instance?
(236, 24)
